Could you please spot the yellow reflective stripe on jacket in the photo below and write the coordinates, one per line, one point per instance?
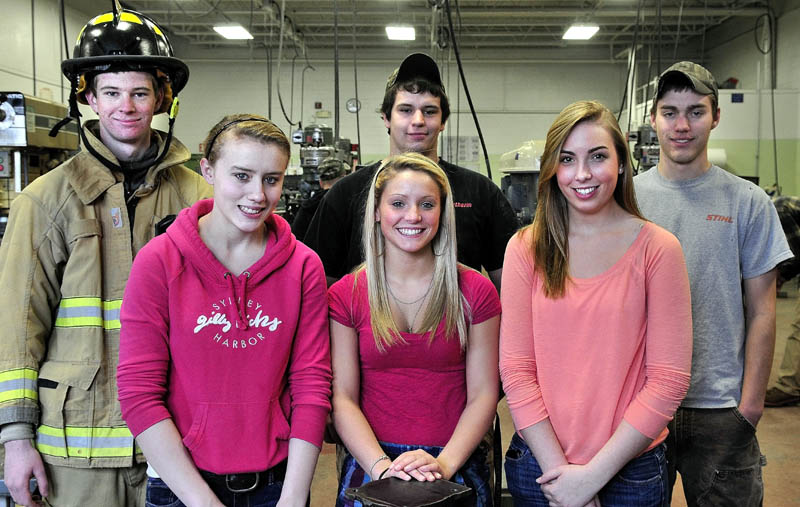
(77, 442)
(18, 384)
(88, 312)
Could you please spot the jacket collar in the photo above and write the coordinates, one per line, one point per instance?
(90, 178)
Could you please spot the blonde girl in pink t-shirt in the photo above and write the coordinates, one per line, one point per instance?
(413, 341)
(595, 343)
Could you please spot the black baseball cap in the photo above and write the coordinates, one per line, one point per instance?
(416, 65)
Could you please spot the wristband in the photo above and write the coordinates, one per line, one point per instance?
(381, 458)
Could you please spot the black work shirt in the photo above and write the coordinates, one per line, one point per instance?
(485, 220)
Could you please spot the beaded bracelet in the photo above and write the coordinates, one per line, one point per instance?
(381, 458)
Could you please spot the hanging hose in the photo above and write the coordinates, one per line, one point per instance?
(631, 64)
(291, 96)
(280, 58)
(678, 35)
(303, 90)
(769, 15)
(466, 89)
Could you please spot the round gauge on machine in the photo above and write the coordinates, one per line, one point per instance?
(7, 115)
(353, 105)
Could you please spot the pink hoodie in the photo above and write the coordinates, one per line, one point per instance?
(241, 364)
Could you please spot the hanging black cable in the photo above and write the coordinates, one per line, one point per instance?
(773, 35)
(63, 44)
(458, 106)
(33, 43)
(466, 89)
(355, 85)
(658, 3)
(64, 29)
(771, 22)
(703, 38)
(336, 69)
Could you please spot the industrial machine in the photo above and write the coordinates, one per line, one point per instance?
(316, 144)
(26, 148)
(645, 149)
(521, 181)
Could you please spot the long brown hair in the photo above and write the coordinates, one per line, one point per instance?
(550, 238)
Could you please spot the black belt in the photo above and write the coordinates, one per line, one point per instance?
(246, 482)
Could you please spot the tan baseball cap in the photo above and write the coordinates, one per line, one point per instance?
(702, 80)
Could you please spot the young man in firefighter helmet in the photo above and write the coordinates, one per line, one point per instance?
(64, 262)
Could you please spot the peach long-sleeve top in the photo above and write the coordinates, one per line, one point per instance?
(616, 346)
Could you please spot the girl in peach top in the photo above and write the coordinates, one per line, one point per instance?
(596, 329)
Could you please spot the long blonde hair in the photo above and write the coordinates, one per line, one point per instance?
(445, 295)
(550, 238)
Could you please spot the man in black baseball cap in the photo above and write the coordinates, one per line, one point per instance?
(414, 111)
(732, 241)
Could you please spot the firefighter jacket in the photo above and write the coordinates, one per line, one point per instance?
(64, 262)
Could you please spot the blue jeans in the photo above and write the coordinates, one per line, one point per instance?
(642, 482)
(474, 473)
(717, 455)
(266, 494)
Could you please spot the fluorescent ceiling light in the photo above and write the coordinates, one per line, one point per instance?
(400, 32)
(233, 32)
(580, 32)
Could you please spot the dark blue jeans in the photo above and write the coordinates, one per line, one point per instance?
(474, 473)
(717, 455)
(266, 494)
(642, 482)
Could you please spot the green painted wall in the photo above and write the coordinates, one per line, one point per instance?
(741, 155)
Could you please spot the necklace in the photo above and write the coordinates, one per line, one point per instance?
(410, 326)
(391, 293)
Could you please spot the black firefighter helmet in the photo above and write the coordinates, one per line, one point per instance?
(122, 41)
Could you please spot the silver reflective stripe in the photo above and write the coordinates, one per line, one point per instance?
(79, 311)
(12, 385)
(112, 314)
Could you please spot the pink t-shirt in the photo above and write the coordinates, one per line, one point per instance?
(616, 346)
(412, 393)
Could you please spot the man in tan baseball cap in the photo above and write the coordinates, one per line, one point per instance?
(732, 241)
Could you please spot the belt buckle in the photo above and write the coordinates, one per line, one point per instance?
(230, 478)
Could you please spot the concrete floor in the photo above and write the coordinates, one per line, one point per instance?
(778, 434)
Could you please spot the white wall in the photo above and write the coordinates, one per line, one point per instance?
(16, 56)
(514, 102)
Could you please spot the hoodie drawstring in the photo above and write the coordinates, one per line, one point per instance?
(240, 302)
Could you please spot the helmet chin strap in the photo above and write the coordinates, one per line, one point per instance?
(115, 167)
(72, 113)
